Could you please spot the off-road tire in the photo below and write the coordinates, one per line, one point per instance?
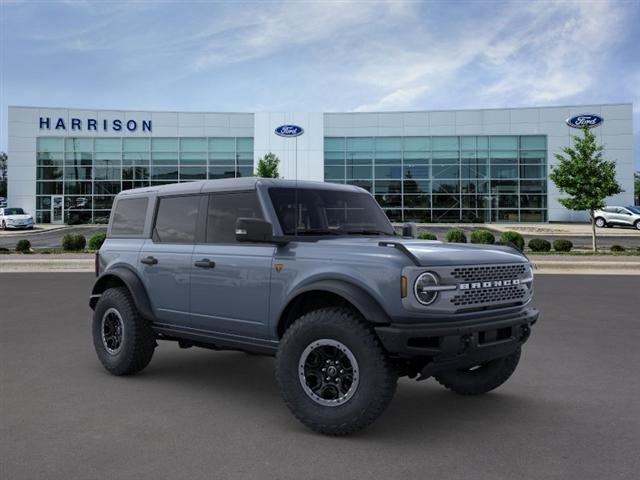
(377, 376)
(481, 380)
(138, 340)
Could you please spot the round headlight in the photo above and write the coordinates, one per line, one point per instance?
(423, 288)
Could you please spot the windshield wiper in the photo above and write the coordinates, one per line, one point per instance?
(317, 232)
(366, 232)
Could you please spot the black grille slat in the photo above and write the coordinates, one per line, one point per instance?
(512, 293)
(489, 273)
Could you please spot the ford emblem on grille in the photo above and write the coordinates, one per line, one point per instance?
(588, 120)
(289, 131)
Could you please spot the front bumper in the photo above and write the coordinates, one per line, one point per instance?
(454, 345)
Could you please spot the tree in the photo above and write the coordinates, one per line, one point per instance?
(268, 166)
(585, 177)
(636, 187)
(3, 174)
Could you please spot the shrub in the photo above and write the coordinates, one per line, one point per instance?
(74, 220)
(73, 242)
(562, 245)
(427, 236)
(482, 236)
(456, 235)
(96, 240)
(617, 248)
(23, 246)
(512, 237)
(539, 245)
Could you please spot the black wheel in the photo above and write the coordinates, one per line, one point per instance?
(123, 339)
(600, 222)
(333, 373)
(481, 378)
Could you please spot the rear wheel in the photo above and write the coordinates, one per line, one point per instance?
(332, 372)
(480, 378)
(122, 339)
(600, 222)
(637, 224)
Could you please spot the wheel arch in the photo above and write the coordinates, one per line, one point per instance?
(330, 293)
(123, 277)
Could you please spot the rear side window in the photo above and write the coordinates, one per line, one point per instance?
(129, 216)
(225, 209)
(176, 219)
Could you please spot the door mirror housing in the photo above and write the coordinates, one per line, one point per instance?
(254, 230)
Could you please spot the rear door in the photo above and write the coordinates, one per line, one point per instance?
(165, 258)
(230, 281)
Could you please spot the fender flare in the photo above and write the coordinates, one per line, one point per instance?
(362, 300)
(133, 283)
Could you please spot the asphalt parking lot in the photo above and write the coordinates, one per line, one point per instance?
(570, 411)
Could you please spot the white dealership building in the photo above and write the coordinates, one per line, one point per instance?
(66, 164)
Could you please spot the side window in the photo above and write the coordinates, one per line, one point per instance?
(129, 216)
(176, 219)
(225, 209)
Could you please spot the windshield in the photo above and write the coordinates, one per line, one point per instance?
(328, 212)
(634, 209)
(13, 211)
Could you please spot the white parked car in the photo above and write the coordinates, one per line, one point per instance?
(15, 218)
(624, 216)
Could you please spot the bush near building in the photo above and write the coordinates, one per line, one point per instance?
(73, 242)
(562, 245)
(617, 248)
(512, 237)
(482, 236)
(539, 245)
(96, 240)
(23, 246)
(427, 236)
(456, 235)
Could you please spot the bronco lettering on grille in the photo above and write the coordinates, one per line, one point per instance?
(494, 283)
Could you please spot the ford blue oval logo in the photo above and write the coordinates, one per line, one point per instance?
(289, 131)
(583, 120)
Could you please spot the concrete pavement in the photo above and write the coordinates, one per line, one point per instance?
(570, 411)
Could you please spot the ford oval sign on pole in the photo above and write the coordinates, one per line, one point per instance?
(588, 120)
(289, 131)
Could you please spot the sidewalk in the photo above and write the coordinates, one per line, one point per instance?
(66, 262)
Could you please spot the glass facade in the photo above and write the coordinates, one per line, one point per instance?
(499, 178)
(86, 173)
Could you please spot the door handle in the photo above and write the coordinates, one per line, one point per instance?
(149, 260)
(205, 263)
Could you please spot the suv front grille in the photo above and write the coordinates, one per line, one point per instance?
(509, 294)
(488, 273)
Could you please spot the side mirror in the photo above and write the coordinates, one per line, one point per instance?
(410, 230)
(253, 230)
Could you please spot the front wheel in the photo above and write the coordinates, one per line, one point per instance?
(4, 225)
(637, 224)
(600, 222)
(480, 378)
(332, 372)
(122, 338)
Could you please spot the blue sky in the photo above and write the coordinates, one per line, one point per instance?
(318, 55)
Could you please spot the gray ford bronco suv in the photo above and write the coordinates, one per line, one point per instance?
(314, 274)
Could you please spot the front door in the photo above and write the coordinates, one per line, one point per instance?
(230, 281)
(57, 209)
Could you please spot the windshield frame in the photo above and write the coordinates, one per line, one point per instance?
(378, 224)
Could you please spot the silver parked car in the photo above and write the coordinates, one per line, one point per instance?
(623, 216)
